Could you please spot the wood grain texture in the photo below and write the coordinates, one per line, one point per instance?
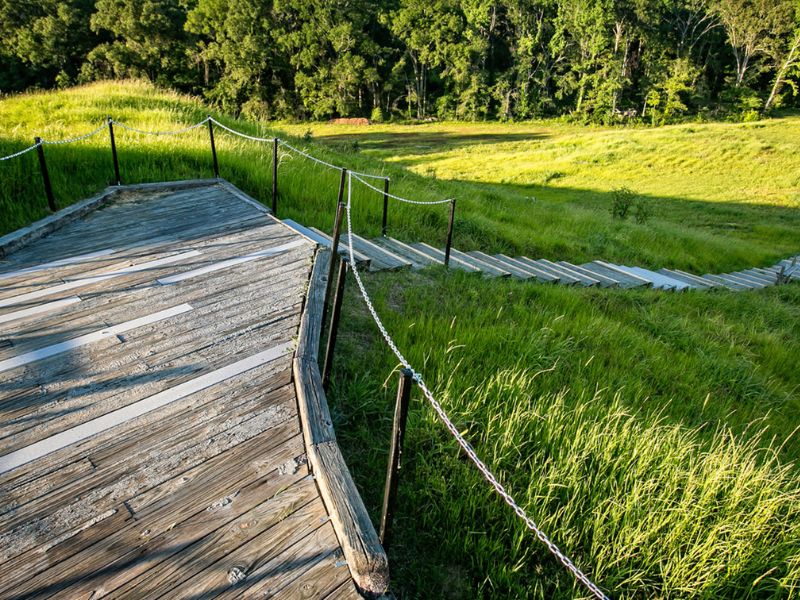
(359, 541)
(207, 495)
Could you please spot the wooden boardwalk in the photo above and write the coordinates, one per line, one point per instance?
(150, 443)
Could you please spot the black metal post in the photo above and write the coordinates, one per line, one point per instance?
(48, 189)
(449, 243)
(337, 229)
(275, 176)
(333, 330)
(385, 205)
(213, 146)
(395, 452)
(117, 178)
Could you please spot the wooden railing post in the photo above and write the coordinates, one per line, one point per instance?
(385, 206)
(333, 330)
(275, 143)
(337, 230)
(213, 146)
(395, 452)
(117, 178)
(449, 243)
(48, 189)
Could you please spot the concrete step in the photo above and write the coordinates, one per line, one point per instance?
(602, 279)
(418, 259)
(564, 278)
(694, 281)
(538, 274)
(498, 264)
(623, 279)
(439, 256)
(658, 280)
(323, 239)
(583, 280)
(488, 269)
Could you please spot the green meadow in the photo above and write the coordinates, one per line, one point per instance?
(651, 435)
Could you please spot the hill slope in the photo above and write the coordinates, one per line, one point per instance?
(650, 434)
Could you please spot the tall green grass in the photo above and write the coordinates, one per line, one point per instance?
(649, 434)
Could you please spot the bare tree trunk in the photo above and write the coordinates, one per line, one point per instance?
(791, 59)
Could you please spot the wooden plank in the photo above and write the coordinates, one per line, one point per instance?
(438, 255)
(311, 323)
(624, 280)
(212, 495)
(417, 259)
(516, 271)
(362, 549)
(380, 258)
(487, 268)
(536, 273)
(362, 260)
(584, 280)
(603, 279)
(728, 283)
(564, 278)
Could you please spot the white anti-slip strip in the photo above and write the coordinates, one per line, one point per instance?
(224, 264)
(137, 409)
(72, 260)
(70, 285)
(37, 310)
(48, 351)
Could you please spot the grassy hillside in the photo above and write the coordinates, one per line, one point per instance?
(650, 434)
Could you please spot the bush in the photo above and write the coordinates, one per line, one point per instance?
(622, 201)
(377, 115)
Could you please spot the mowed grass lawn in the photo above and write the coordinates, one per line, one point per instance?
(650, 434)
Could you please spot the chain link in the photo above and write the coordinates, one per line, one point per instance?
(21, 152)
(308, 156)
(75, 139)
(399, 198)
(465, 445)
(176, 132)
(240, 134)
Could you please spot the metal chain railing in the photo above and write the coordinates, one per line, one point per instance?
(398, 198)
(21, 152)
(239, 133)
(463, 443)
(176, 132)
(79, 138)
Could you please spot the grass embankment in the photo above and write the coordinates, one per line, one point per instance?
(648, 433)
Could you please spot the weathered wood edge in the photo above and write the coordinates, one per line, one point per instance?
(21, 237)
(246, 198)
(15, 240)
(365, 556)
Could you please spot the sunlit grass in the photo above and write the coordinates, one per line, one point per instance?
(650, 434)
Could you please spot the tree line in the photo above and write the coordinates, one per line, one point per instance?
(595, 60)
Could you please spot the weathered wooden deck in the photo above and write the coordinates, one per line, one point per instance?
(150, 444)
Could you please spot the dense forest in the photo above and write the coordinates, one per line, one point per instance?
(595, 60)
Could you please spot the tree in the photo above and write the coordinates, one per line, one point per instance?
(787, 60)
(753, 26)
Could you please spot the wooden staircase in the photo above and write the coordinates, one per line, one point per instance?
(387, 253)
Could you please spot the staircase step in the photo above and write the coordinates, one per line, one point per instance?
(602, 279)
(768, 279)
(623, 279)
(488, 269)
(727, 282)
(382, 259)
(748, 281)
(693, 281)
(564, 278)
(539, 274)
(584, 280)
(498, 264)
(439, 256)
(362, 260)
(418, 259)
(323, 239)
(658, 280)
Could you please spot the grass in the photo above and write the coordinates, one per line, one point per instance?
(650, 434)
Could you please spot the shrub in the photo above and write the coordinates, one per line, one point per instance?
(622, 200)
(377, 115)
